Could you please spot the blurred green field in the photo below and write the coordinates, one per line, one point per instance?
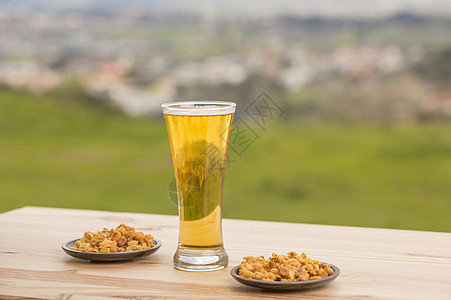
(65, 153)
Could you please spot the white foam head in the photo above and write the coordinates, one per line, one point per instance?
(198, 108)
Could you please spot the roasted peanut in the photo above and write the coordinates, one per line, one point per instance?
(122, 241)
(123, 238)
(292, 267)
(116, 235)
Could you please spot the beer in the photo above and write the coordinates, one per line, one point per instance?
(198, 134)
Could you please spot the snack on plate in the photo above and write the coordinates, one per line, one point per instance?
(122, 239)
(290, 267)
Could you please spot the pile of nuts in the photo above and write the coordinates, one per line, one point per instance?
(122, 239)
(290, 267)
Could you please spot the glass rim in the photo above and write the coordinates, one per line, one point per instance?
(198, 108)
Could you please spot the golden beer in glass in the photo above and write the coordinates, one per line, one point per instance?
(199, 135)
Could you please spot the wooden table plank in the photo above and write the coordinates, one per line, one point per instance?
(375, 263)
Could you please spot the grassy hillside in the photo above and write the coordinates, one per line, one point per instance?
(59, 152)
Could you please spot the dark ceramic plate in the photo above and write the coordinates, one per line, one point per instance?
(108, 256)
(285, 286)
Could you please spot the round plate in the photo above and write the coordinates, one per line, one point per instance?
(285, 286)
(109, 256)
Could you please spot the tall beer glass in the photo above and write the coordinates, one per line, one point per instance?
(199, 136)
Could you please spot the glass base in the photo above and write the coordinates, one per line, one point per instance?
(200, 259)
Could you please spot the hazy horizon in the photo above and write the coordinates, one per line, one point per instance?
(257, 8)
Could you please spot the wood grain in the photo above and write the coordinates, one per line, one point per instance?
(374, 263)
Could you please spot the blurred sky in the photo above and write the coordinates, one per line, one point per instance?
(333, 8)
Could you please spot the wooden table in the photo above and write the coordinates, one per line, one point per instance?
(374, 263)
